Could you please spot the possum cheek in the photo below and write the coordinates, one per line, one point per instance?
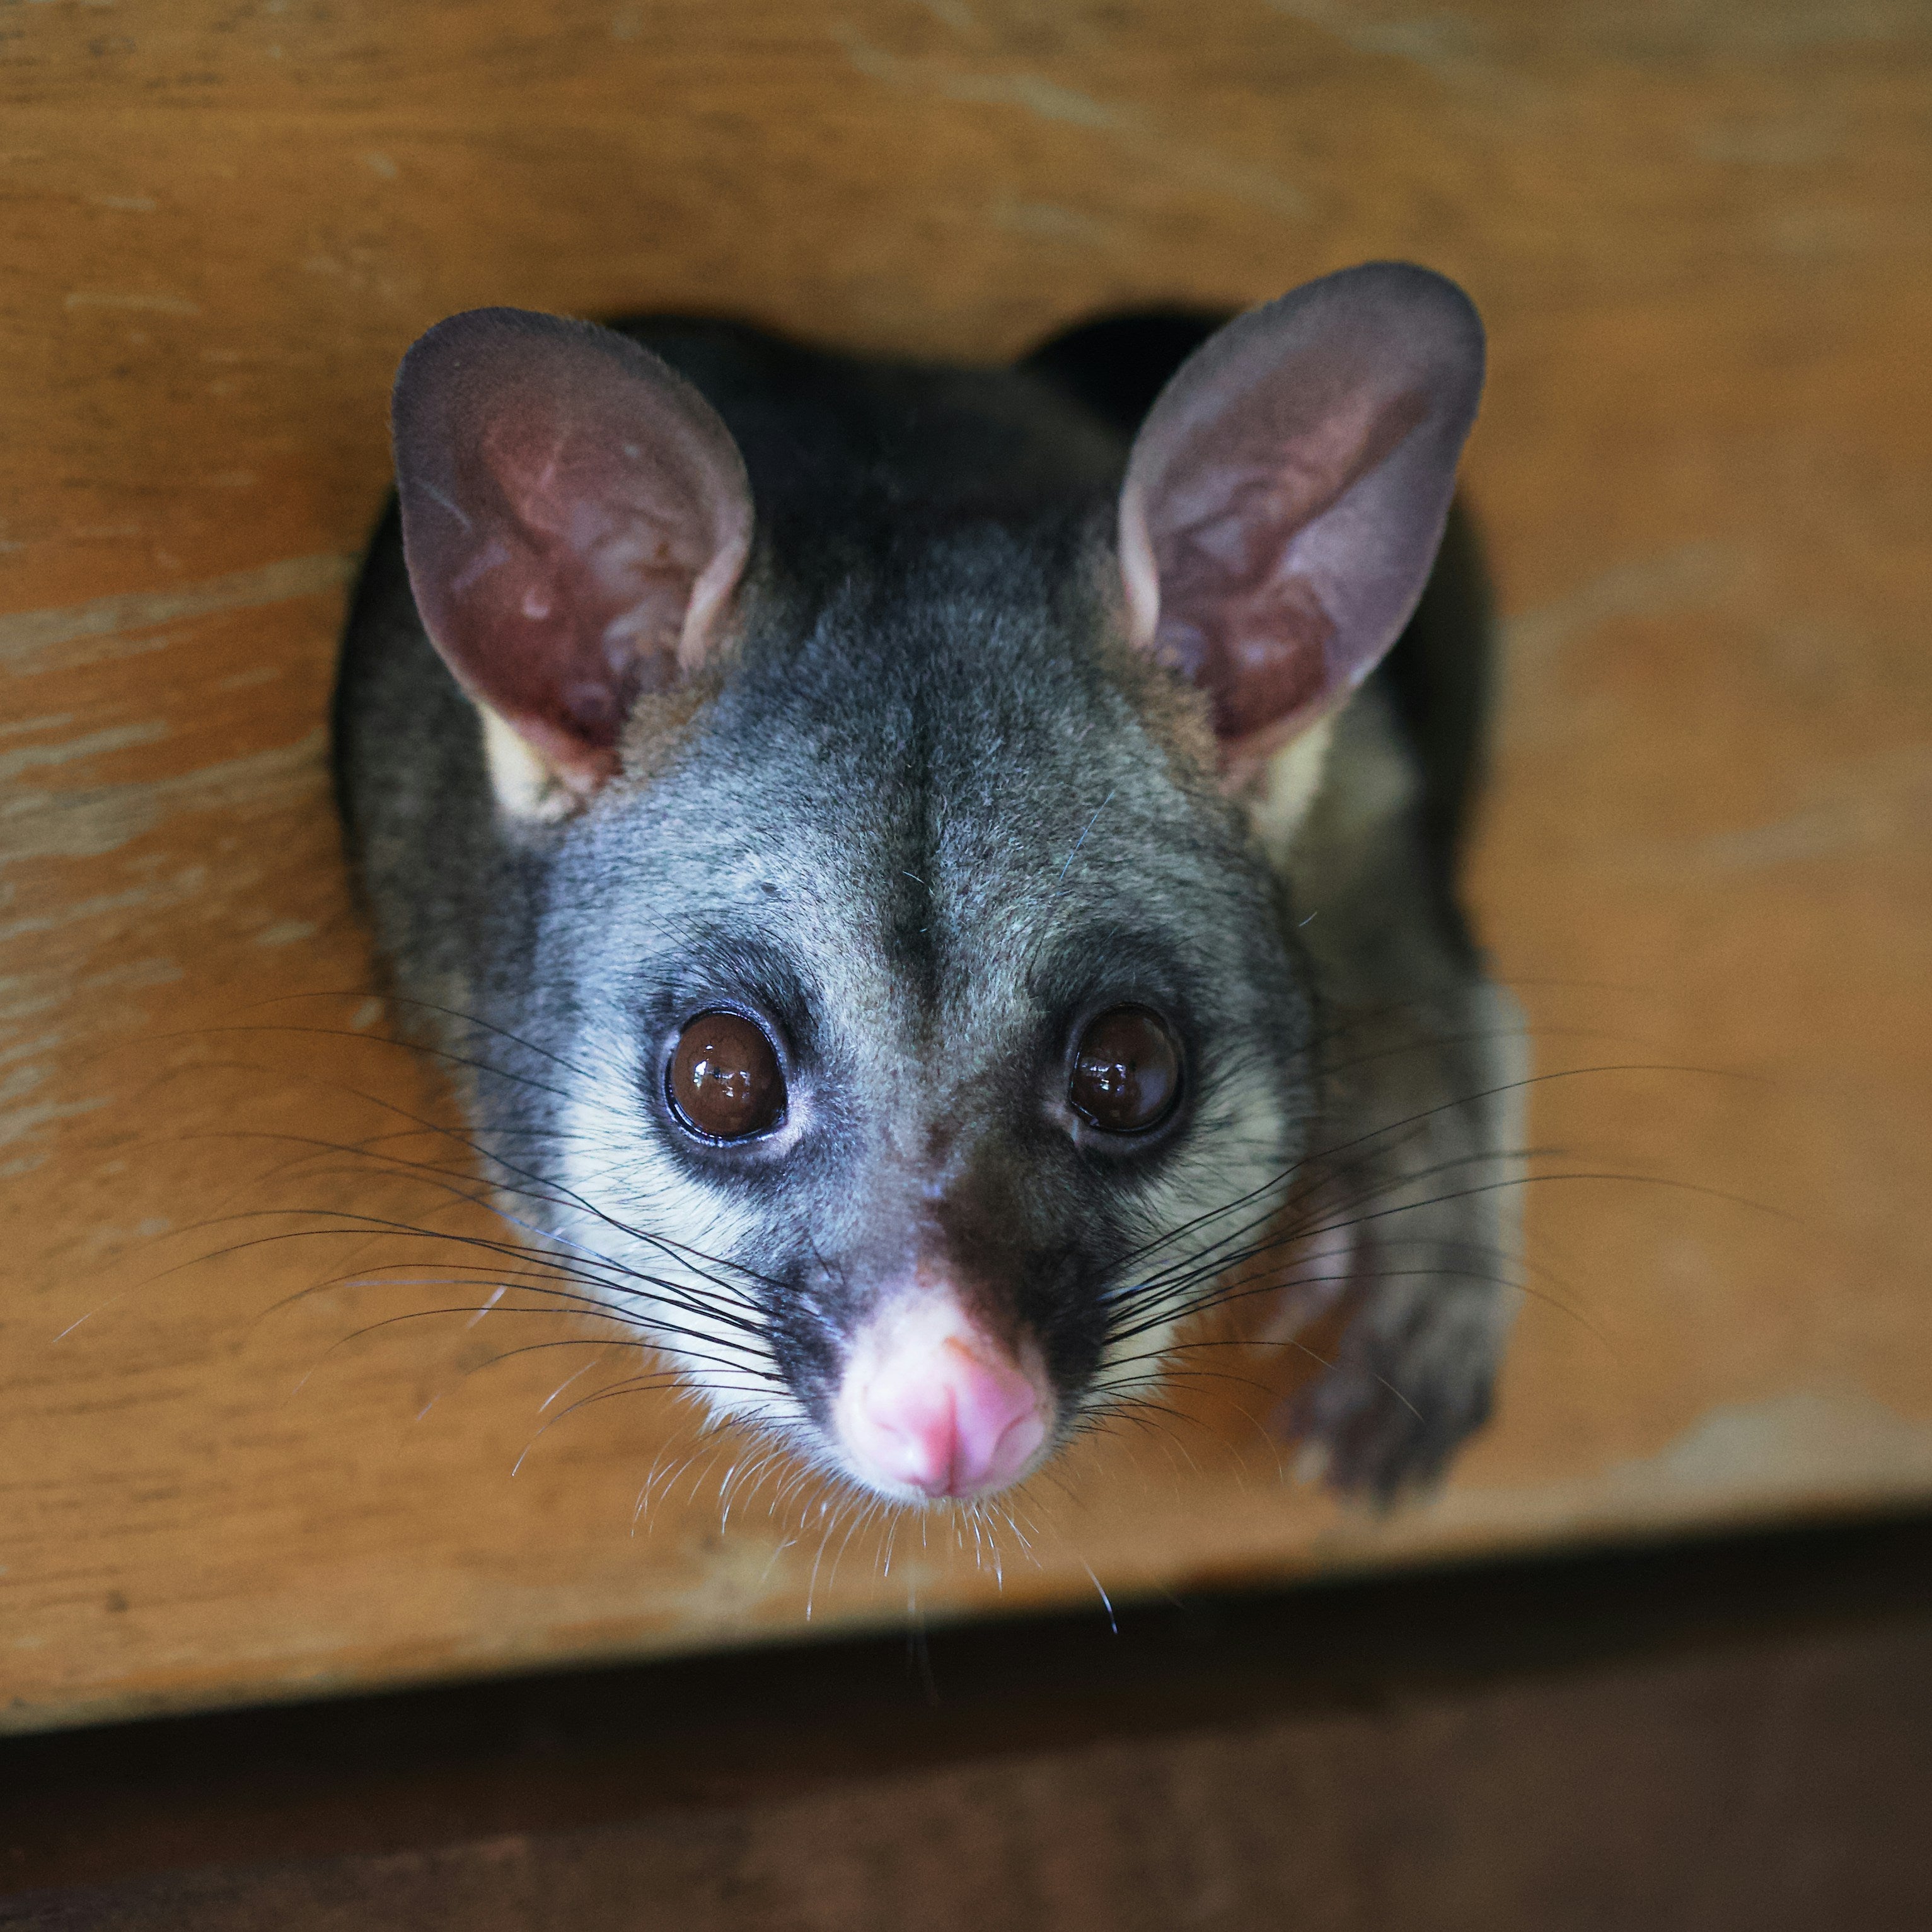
(931, 1405)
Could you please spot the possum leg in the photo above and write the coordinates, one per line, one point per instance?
(1420, 1142)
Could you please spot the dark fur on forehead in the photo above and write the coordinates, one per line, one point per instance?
(967, 713)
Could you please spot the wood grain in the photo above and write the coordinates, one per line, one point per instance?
(1699, 238)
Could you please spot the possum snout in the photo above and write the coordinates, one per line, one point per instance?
(932, 1406)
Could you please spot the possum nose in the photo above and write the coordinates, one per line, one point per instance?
(938, 1407)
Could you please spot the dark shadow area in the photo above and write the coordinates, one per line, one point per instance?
(1731, 1682)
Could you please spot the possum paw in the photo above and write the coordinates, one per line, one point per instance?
(1413, 1378)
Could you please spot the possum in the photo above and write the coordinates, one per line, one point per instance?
(932, 878)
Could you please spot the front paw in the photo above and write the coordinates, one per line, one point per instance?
(1412, 1379)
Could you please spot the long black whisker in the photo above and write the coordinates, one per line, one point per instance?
(1377, 1136)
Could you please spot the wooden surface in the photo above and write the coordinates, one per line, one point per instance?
(1698, 236)
(1731, 1736)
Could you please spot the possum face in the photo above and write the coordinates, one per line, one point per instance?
(926, 1052)
(930, 1024)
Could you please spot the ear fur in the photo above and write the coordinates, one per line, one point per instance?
(575, 519)
(1287, 492)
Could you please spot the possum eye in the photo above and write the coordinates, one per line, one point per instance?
(1126, 1071)
(724, 1081)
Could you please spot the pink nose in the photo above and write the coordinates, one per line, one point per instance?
(948, 1413)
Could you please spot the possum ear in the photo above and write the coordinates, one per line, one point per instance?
(1286, 494)
(575, 518)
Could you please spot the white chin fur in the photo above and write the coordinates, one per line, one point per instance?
(689, 1313)
(1250, 1187)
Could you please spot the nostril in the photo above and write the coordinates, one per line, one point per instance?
(914, 1436)
(996, 1411)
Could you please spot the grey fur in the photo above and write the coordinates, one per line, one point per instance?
(932, 811)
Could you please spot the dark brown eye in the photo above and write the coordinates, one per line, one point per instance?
(1126, 1071)
(724, 1079)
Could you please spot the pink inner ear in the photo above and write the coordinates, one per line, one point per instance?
(574, 517)
(1236, 613)
(583, 599)
(1285, 497)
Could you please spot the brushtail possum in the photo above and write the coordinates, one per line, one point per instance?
(931, 877)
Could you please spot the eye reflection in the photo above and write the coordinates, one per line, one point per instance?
(724, 1081)
(1126, 1071)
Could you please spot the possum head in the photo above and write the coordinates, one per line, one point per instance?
(925, 1025)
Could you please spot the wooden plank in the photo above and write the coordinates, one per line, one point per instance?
(1730, 1735)
(1699, 241)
